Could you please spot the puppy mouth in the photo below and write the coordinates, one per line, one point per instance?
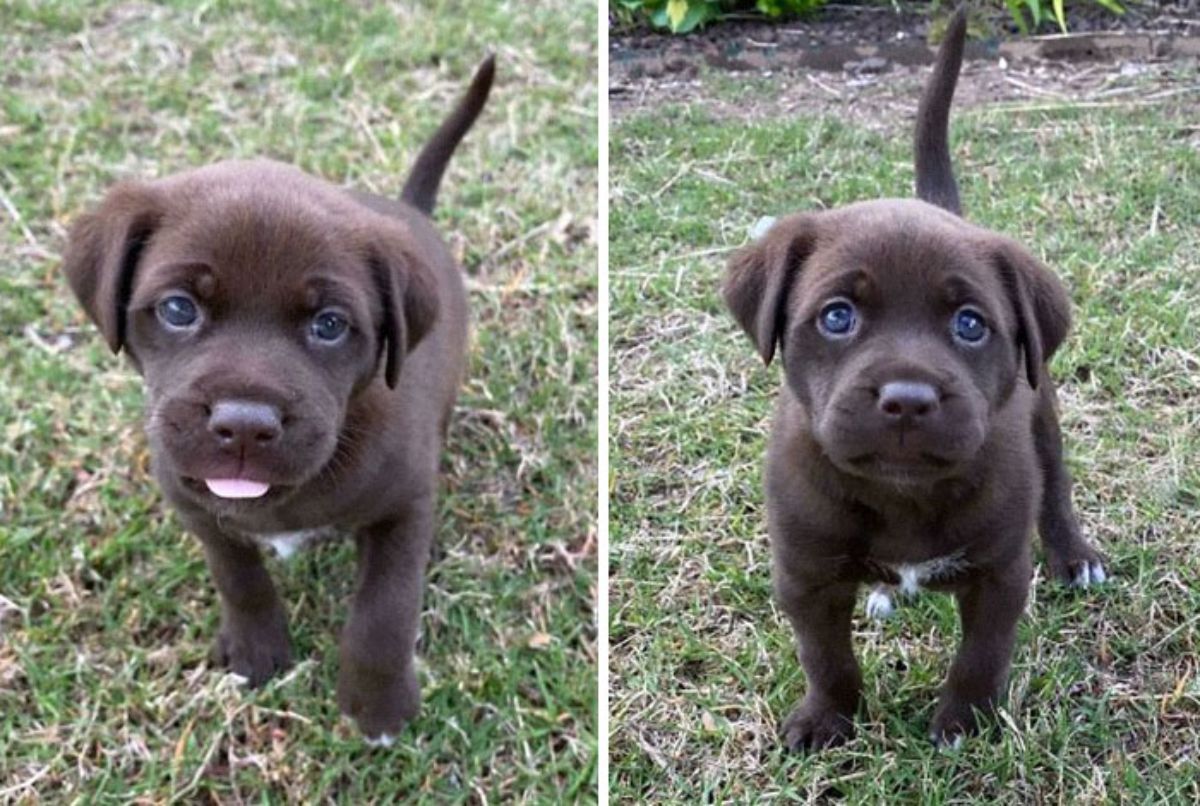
(918, 467)
(237, 488)
(233, 489)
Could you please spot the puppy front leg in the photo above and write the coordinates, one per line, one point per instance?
(989, 608)
(253, 640)
(377, 682)
(821, 616)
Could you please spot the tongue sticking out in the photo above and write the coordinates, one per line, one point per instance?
(237, 488)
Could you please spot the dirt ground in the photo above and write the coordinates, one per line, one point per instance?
(868, 63)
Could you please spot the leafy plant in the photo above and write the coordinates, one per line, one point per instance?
(683, 16)
(1040, 10)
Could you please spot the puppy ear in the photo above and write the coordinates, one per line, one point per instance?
(407, 290)
(102, 255)
(759, 276)
(1040, 302)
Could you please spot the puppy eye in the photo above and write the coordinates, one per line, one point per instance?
(178, 312)
(329, 326)
(837, 319)
(969, 326)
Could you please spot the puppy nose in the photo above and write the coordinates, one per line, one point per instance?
(244, 423)
(907, 400)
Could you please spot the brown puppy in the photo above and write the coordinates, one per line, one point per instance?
(916, 440)
(302, 346)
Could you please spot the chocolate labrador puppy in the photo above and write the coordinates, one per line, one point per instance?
(302, 346)
(916, 440)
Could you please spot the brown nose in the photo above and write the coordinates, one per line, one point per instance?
(907, 400)
(244, 423)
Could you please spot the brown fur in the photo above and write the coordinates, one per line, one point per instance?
(860, 482)
(348, 435)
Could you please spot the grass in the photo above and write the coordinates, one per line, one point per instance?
(1103, 703)
(106, 609)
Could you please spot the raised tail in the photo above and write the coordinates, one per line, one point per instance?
(935, 173)
(420, 190)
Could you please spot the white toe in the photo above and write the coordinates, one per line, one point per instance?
(382, 740)
(1098, 575)
(761, 227)
(1082, 577)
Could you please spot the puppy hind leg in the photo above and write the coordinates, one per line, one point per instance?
(1070, 558)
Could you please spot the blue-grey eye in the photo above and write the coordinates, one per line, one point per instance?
(329, 326)
(178, 312)
(969, 326)
(837, 318)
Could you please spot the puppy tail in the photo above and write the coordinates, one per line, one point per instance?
(935, 173)
(420, 190)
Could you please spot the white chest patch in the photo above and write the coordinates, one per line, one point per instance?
(286, 544)
(912, 576)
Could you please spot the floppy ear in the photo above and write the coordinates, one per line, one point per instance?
(1040, 302)
(759, 276)
(407, 291)
(102, 255)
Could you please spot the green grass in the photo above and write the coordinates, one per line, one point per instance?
(1103, 703)
(106, 609)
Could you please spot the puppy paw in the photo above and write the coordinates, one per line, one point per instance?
(954, 720)
(812, 727)
(255, 650)
(382, 740)
(1083, 568)
(379, 702)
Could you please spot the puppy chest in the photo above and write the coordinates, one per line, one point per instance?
(908, 578)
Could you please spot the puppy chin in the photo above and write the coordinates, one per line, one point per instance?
(915, 472)
(912, 460)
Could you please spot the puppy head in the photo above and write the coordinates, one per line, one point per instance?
(257, 302)
(903, 330)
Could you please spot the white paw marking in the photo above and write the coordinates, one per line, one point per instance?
(382, 740)
(761, 226)
(947, 744)
(1090, 574)
(879, 603)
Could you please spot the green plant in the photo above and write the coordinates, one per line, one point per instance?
(683, 16)
(1040, 10)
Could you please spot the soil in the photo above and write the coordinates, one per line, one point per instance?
(868, 61)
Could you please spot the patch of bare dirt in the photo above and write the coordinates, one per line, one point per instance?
(869, 62)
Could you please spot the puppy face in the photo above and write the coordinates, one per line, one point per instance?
(257, 302)
(903, 331)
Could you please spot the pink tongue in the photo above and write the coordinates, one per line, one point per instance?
(237, 488)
